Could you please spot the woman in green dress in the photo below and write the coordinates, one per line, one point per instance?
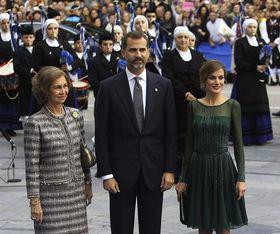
(211, 189)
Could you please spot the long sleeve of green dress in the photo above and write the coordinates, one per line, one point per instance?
(237, 140)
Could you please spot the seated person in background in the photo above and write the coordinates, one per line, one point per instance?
(214, 27)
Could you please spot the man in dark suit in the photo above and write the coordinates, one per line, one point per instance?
(104, 64)
(136, 140)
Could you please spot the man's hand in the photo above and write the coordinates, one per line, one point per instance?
(212, 43)
(111, 185)
(88, 193)
(180, 189)
(240, 189)
(37, 212)
(167, 181)
(261, 68)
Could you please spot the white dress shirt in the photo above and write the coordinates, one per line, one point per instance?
(131, 82)
(213, 29)
(108, 57)
(30, 49)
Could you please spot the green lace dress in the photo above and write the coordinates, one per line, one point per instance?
(208, 169)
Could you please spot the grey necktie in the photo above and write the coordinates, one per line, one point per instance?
(138, 103)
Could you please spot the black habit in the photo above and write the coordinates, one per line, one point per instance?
(185, 78)
(251, 92)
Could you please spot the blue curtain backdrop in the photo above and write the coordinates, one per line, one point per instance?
(221, 53)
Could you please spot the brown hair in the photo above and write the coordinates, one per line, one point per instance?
(43, 80)
(208, 68)
(134, 35)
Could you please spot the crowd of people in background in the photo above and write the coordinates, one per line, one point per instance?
(213, 22)
(140, 41)
(202, 17)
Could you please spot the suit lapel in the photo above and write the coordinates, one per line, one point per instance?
(152, 90)
(104, 61)
(123, 91)
(27, 56)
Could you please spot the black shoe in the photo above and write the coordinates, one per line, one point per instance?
(11, 132)
(276, 114)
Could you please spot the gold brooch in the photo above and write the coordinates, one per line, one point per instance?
(75, 114)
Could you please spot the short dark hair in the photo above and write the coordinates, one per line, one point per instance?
(208, 68)
(43, 80)
(106, 37)
(135, 35)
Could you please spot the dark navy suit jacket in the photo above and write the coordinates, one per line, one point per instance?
(124, 151)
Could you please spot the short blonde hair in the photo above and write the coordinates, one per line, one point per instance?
(43, 80)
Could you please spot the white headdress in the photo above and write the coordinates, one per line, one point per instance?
(46, 24)
(180, 29)
(247, 22)
(140, 17)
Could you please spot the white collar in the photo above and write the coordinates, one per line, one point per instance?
(130, 75)
(80, 54)
(252, 41)
(108, 57)
(152, 32)
(117, 46)
(185, 55)
(6, 36)
(29, 48)
(52, 42)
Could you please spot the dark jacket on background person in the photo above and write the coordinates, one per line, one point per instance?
(23, 65)
(99, 68)
(124, 151)
(185, 78)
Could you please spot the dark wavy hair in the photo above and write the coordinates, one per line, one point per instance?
(208, 68)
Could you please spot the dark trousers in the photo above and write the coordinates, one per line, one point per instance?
(122, 209)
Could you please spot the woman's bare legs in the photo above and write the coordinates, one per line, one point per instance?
(222, 231)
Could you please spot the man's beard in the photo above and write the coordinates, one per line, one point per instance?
(137, 66)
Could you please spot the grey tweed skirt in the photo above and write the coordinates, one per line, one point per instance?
(64, 209)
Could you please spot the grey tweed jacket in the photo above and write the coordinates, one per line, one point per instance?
(52, 149)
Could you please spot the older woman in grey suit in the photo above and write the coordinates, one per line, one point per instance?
(57, 187)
